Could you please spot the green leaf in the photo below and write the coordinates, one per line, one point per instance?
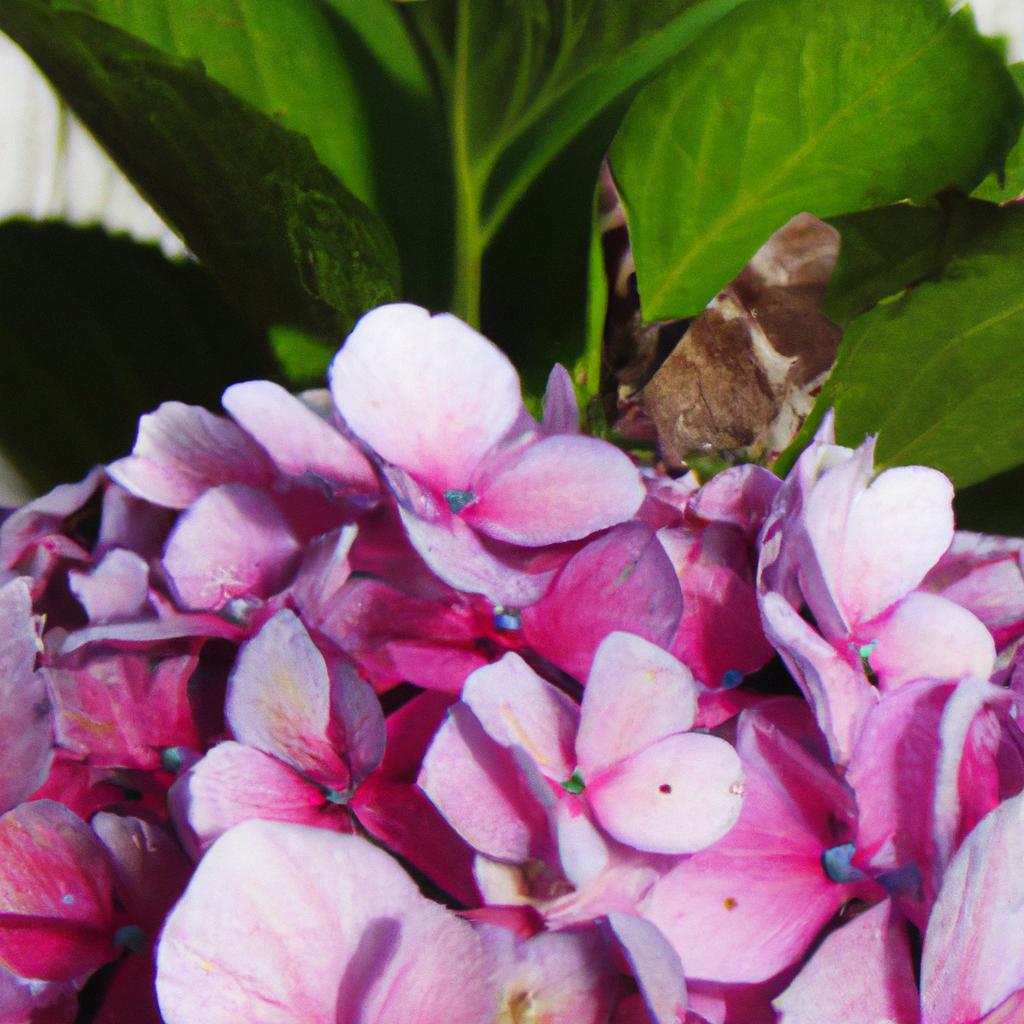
(881, 252)
(303, 359)
(522, 79)
(344, 73)
(999, 188)
(791, 105)
(935, 371)
(286, 240)
(96, 330)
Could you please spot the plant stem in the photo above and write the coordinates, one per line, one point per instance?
(468, 235)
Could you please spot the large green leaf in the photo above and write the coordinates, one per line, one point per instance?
(938, 372)
(96, 330)
(792, 105)
(287, 241)
(1009, 183)
(344, 73)
(522, 78)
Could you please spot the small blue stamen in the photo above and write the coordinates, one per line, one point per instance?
(866, 650)
(132, 937)
(507, 619)
(340, 797)
(457, 500)
(838, 866)
(67, 899)
(574, 784)
(172, 759)
(731, 679)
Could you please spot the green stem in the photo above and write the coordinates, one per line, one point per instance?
(469, 243)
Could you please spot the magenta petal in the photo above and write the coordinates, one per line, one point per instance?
(518, 708)
(120, 708)
(636, 694)
(26, 739)
(56, 894)
(476, 784)
(233, 542)
(234, 783)
(561, 488)
(283, 923)
(428, 394)
(656, 967)
(182, 451)
(279, 700)
(296, 438)
(974, 946)
(928, 637)
(620, 581)
(861, 972)
(677, 796)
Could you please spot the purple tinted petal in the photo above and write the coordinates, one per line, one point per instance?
(656, 967)
(561, 411)
(182, 451)
(116, 589)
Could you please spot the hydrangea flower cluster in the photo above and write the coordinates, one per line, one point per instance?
(395, 704)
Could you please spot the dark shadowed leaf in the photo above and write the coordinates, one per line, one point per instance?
(1010, 184)
(938, 371)
(96, 330)
(285, 239)
(790, 105)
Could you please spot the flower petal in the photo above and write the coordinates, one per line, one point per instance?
(428, 394)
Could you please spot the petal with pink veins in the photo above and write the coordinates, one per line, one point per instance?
(428, 394)
(477, 785)
(283, 923)
(974, 945)
(928, 637)
(357, 721)
(297, 438)
(518, 708)
(233, 542)
(235, 783)
(182, 451)
(56, 894)
(678, 795)
(636, 694)
(279, 700)
(562, 488)
(861, 972)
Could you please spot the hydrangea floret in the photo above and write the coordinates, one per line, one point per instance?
(392, 703)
